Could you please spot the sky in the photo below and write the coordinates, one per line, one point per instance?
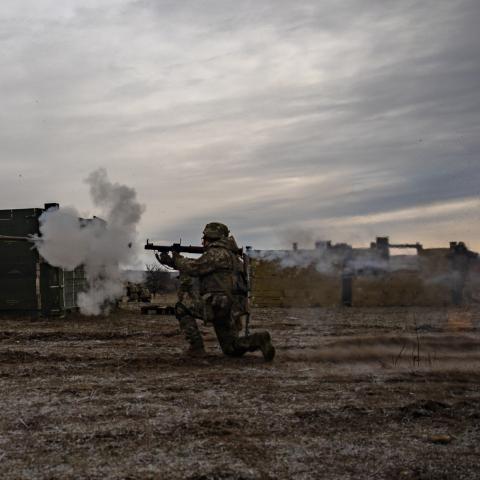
(288, 121)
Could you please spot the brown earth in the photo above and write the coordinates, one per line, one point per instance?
(353, 394)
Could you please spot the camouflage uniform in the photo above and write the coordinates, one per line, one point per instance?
(186, 310)
(144, 294)
(219, 271)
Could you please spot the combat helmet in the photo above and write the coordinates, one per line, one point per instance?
(215, 231)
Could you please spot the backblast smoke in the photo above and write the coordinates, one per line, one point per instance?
(102, 246)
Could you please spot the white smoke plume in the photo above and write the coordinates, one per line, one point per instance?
(329, 262)
(301, 259)
(102, 246)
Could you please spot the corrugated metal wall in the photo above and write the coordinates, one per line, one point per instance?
(27, 282)
(18, 277)
(19, 262)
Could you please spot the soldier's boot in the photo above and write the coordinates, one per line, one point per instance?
(262, 341)
(189, 326)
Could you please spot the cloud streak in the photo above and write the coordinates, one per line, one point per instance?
(268, 115)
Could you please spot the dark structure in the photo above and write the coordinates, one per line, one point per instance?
(28, 284)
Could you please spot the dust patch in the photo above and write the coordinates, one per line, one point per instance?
(391, 349)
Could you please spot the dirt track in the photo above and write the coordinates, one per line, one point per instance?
(377, 393)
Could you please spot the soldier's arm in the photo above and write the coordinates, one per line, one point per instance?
(196, 266)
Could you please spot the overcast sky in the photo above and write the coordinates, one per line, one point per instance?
(305, 120)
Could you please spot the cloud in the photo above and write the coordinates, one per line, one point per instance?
(268, 115)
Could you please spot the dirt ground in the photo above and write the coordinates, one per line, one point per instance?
(352, 394)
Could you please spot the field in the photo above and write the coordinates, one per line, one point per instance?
(352, 394)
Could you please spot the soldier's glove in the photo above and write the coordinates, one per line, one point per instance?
(176, 256)
(165, 259)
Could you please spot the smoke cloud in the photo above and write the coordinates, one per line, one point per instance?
(300, 259)
(328, 262)
(102, 245)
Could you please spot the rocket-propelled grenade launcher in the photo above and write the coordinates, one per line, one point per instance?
(179, 248)
(11, 238)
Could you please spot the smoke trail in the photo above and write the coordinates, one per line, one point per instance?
(101, 246)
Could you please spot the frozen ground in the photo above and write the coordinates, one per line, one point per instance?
(352, 394)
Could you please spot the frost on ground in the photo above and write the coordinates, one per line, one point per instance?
(353, 393)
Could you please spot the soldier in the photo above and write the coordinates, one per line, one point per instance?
(222, 290)
(144, 294)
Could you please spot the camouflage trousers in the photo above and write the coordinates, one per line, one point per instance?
(222, 313)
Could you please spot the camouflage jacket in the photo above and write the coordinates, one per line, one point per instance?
(217, 269)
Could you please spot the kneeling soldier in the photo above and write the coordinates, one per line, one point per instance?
(222, 291)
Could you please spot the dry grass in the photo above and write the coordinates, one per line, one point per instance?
(353, 393)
